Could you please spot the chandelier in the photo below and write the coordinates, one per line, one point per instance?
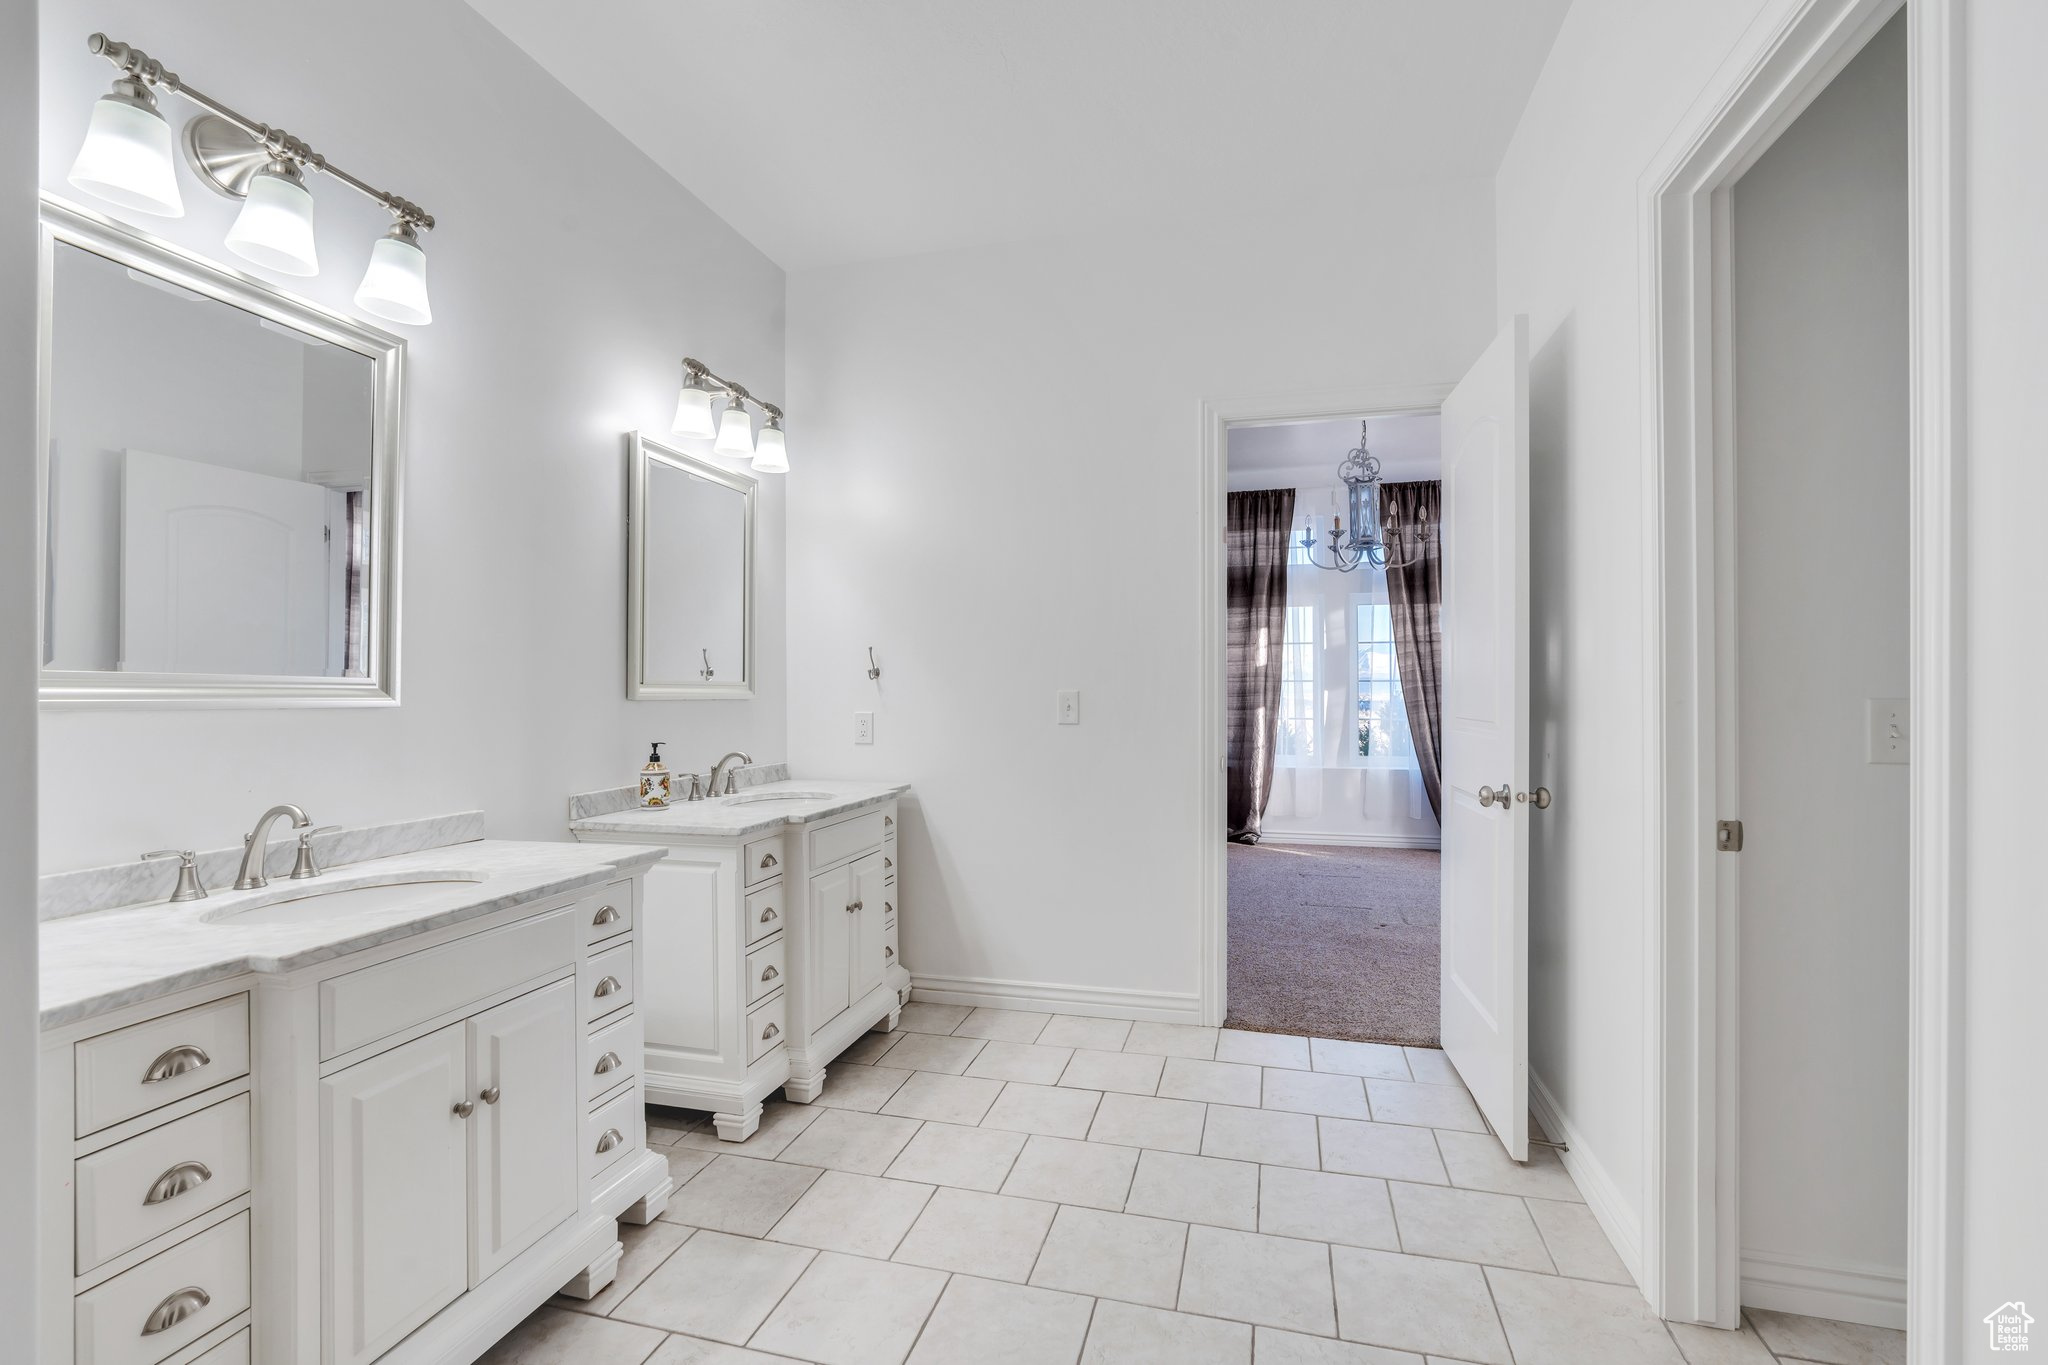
(1365, 541)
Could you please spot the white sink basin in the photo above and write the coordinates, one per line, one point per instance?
(310, 901)
(761, 798)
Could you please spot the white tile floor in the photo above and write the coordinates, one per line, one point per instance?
(997, 1187)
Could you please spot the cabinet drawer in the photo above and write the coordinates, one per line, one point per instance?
(766, 970)
(364, 1006)
(168, 1302)
(608, 981)
(234, 1351)
(764, 912)
(761, 860)
(836, 843)
(766, 1026)
(612, 1132)
(889, 824)
(890, 950)
(615, 1057)
(146, 1066)
(608, 913)
(144, 1187)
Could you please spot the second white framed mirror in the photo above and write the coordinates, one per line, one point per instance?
(689, 576)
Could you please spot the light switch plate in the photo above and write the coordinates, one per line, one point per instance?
(863, 727)
(1070, 708)
(1889, 726)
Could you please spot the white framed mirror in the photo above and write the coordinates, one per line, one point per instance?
(689, 575)
(219, 476)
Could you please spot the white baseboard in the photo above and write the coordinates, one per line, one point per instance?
(1610, 1208)
(1161, 1007)
(1847, 1291)
(1269, 835)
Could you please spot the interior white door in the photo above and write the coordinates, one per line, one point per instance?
(222, 571)
(1485, 947)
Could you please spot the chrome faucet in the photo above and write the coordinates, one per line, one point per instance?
(719, 770)
(257, 842)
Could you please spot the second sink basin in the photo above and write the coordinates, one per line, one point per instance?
(760, 798)
(308, 901)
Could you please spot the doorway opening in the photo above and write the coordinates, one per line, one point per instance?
(1333, 726)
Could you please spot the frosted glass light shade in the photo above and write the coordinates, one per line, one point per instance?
(126, 159)
(771, 454)
(735, 430)
(693, 411)
(395, 285)
(275, 226)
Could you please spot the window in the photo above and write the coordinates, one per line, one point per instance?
(1295, 741)
(1382, 727)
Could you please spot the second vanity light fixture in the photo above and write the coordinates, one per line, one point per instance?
(126, 160)
(734, 427)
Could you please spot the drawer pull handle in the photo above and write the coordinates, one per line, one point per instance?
(186, 1175)
(176, 1062)
(768, 973)
(887, 951)
(889, 906)
(609, 986)
(175, 1309)
(888, 822)
(609, 1062)
(612, 1138)
(771, 1031)
(490, 1094)
(606, 914)
(769, 860)
(888, 861)
(767, 913)
(464, 1108)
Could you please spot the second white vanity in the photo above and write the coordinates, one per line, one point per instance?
(771, 936)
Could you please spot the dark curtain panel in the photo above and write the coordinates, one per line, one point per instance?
(1256, 621)
(1410, 514)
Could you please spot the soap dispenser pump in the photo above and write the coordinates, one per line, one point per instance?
(655, 791)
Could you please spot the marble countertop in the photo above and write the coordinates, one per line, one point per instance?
(744, 815)
(105, 959)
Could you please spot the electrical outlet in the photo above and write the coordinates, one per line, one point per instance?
(1070, 708)
(1890, 730)
(863, 727)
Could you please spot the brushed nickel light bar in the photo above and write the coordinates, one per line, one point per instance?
(734, 428)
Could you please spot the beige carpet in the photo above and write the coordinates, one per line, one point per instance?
(1334, 942)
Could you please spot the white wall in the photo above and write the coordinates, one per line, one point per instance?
(998, 490)
(569, 276)
(1822, 516)
(18, 661)
(2005, 342)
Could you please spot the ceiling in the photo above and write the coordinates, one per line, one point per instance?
(1306, 454)
(828, 131)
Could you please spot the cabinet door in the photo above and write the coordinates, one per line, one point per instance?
(832, 933)
(522, 1169)
(864, 968)
(396, 1157)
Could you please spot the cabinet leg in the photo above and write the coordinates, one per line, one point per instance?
(889, 1025)
(740, 1126)
(651, 1204)
(592, 1279)
(804, 1089)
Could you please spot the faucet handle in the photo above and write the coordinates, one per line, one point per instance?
(189, 888)
(305, 867)
(696, 786)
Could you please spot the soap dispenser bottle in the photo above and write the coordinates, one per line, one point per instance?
(655, 791)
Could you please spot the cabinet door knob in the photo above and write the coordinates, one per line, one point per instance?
(612, 1138)
(770, 860)
(176, 1062)
(771, 1031)
(186, 1175)
(768, 973)
(609, 986)
(609, 1062)
(489, 1095)
(606, 914)
(767, 913)
(175, 1309)
(464, 1108)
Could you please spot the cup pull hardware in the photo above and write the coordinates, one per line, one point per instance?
(768, 973)
(606, 914)
(770, 860)
(771, 1031)
(609, 1062)
(186, 1175)
(175, 1309)
(612, 1138)
(767, 913)
(176, 1062)
(609, 986)
(887, 951)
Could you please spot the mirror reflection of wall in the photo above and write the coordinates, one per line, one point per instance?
(209, 484)
(696, 578)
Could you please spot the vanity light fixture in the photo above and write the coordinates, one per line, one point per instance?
(735, 425)
(126, 160)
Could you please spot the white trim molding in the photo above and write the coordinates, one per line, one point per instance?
(1844, 1291)
(1610, 1207)
(1158, 1007)
(1690, 1269)
(1268, 834)
(1217, 417)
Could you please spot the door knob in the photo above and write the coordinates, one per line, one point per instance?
(1540, 798)
(1489, 797)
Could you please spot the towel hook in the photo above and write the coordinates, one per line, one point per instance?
(705, 673)
(874, 669)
